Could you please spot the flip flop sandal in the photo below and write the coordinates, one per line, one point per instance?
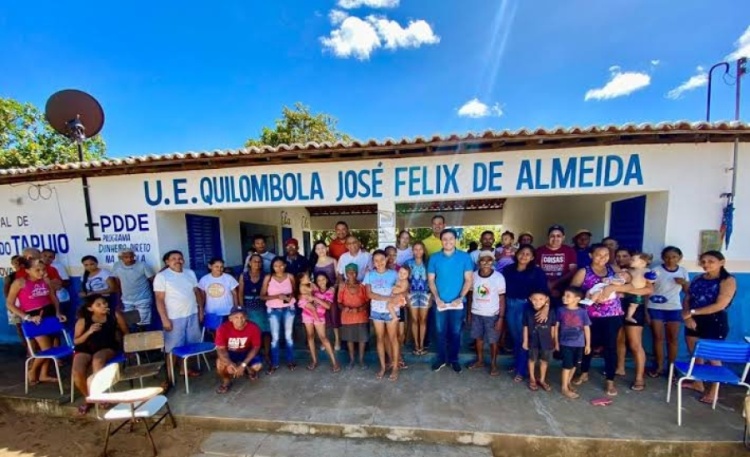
(336, 368)
(291, 366)
(638, 386)
(475, 366)
(224, 388)
(706, 401)
(601, 401)
(533, 387)
(655, 374)
(84, 409)
(518, 378)
(544, 386)
(612, 392)
(380, 374)
(495, 372)
(253, 375)
(312, 366)
(271, 370)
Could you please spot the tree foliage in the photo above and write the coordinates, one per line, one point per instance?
(27, 140)
(299, 125)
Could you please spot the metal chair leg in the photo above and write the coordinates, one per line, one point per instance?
(669, 381)
(26, 376)
(679, 402)
(59, 378)
(716, 397)
(205, 359)
(171, 416)
(106, 439)
(150, 437)
(185, 367)
(72, 387)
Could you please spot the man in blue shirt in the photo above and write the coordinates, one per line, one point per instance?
(449, 274)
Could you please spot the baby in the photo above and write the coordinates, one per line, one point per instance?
(399, 292)
(305, 295)
(640, 276)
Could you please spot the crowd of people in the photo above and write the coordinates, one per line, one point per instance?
(552, 301)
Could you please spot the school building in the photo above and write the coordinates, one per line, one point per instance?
(646, 185)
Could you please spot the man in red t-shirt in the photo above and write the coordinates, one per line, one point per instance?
(338, 245)
(237, 345)
(558, 262)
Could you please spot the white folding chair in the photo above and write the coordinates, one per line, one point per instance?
(131, 406)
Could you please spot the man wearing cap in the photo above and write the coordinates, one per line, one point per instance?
(135, 285)
(558, 261)
(295, 263)
(237, 346)
(581, 244)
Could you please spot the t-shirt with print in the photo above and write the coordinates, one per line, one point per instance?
(418, 277)
(382, 284)
(486, 291)
(134, 283)
(98, 282)
(242, 341)
(667, 291)
(218, 290)
(449, 273)
(540, 334)
(179, 292)
(572, 323)
(363, 260)
(555, 263)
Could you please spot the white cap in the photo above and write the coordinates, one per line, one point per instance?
(486, 254)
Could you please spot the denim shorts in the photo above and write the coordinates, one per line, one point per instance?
(483, 328)
(419, 299)
(664, 315)
(185, 330)
(384, 317)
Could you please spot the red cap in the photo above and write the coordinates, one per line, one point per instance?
(292, 241)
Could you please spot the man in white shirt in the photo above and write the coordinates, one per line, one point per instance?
(356, 255)
(180, 304)
(135, 285)
(260, 247)
(486, 243)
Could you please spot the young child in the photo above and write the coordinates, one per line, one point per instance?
(487, 310)
(505, 254)
(399, 293)
(539, 339)
(573, 336)
(305, 302)
(640, 276)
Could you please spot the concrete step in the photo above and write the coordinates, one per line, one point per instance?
(241, 444)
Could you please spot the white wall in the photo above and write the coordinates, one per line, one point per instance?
(694, 176)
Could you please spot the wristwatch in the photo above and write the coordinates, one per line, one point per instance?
(243, 365)
(692, 312)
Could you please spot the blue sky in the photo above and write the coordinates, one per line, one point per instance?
(188, 76)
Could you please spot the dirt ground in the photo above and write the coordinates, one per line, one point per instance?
(23, 435)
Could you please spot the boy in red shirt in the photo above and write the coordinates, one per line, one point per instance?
(237, 345)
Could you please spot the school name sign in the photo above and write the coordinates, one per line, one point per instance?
(457, 176)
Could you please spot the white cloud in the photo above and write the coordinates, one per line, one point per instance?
(620, 84)
(742, 46)
(394, 36)
(358, 38)
(476, 109)
(351, 4)
(700, 79)
(337, 16)
(353, 38)
(655, 62)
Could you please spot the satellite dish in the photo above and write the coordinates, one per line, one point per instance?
(75, 114)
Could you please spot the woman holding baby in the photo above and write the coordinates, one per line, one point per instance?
(601, 281)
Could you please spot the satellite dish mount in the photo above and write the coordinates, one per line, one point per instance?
(73, 113)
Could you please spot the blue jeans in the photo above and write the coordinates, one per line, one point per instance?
(276, 318)
(448, 329)
(514, 319)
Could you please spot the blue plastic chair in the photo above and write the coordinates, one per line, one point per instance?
(210, 322)
(52, 327)
(726, 352)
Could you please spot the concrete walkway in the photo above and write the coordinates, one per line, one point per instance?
(446, 408)
(237, 444)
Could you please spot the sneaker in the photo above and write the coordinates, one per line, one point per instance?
(437, 366)
(456, 367)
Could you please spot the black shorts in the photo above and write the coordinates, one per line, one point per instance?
(710, 326)
(640, 312)
(44, 311)
(544, 355)
(571, 356)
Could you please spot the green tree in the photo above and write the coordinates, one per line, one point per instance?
(299, 125)
(27, 140)
(368, 238)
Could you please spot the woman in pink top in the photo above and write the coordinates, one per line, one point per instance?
(278, 292)
(36, 300)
